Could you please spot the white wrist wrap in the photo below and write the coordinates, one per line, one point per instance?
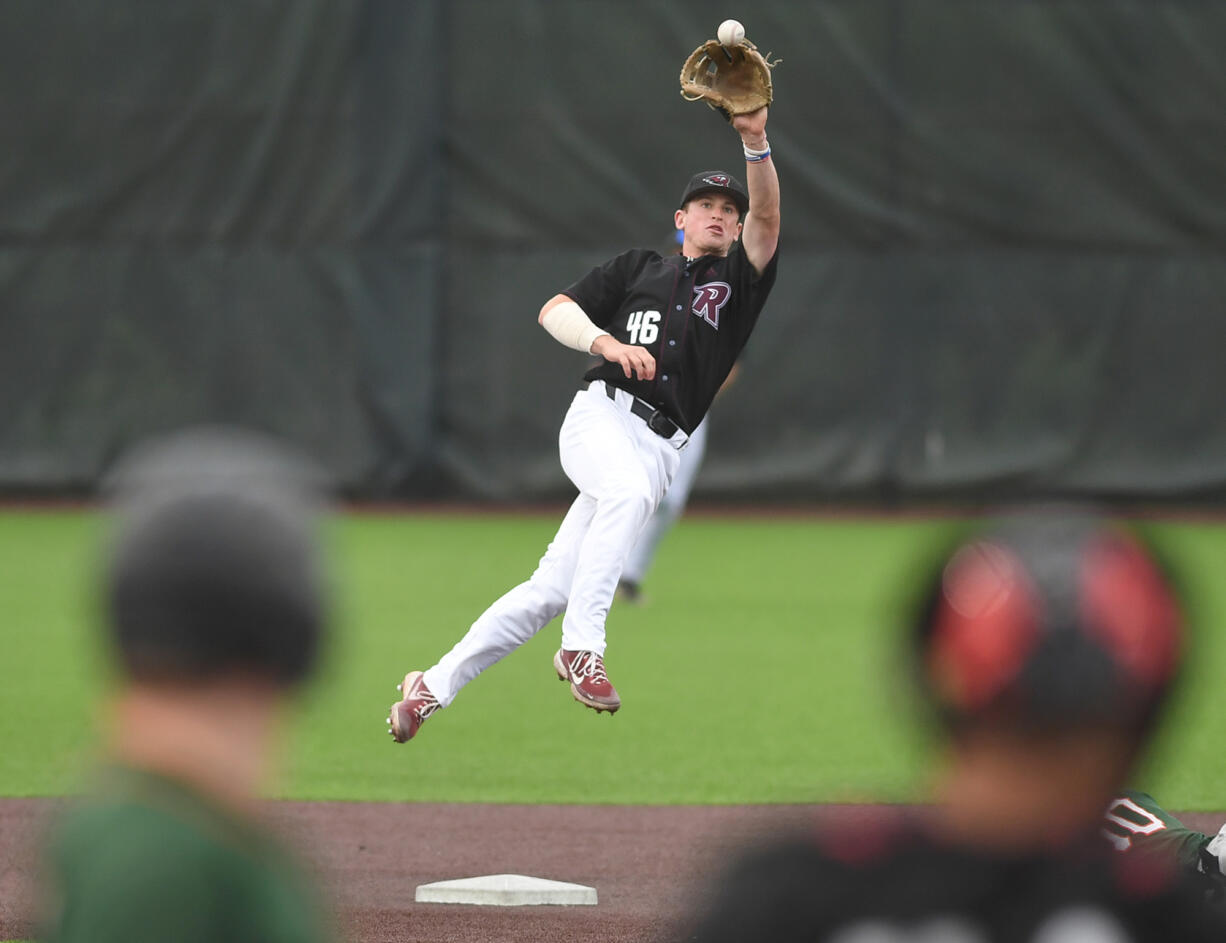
(569, 326)
(754, 156)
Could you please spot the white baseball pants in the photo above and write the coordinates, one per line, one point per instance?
(622, 469)
(670, 508)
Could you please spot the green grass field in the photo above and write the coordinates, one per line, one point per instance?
(761, 670)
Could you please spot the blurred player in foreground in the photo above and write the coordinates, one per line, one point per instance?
(1047, 647)
(214, 605)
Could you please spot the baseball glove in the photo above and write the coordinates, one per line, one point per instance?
(733, 81)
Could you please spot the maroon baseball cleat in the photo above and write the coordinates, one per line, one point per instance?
(588, 681)
(409, 714)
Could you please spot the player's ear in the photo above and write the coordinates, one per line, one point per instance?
(679, 219)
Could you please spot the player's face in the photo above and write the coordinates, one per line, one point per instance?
(711, 223)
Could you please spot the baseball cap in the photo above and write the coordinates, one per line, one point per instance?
(717, 181)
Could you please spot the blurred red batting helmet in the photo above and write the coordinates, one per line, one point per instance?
(1050, 620)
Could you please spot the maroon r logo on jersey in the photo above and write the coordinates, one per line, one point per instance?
(709, 298)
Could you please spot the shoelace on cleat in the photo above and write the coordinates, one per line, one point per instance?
(589, 665)
(426, 705)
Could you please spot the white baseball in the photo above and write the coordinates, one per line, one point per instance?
(730, 33)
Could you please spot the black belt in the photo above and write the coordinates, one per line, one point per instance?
(656, 421)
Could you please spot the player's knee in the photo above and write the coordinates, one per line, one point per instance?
(545, 594)
(670, 509)
(630, 499)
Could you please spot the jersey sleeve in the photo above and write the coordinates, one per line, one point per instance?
(1135, 824)
(761, 285)
(753, 286)
(602, 290)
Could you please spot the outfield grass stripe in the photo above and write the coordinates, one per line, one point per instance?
(763, 669)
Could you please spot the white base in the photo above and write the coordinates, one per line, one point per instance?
(505, 890)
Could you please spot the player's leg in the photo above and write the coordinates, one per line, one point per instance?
(615, 459)
(517, 615)
(667, 514)
(509, 622)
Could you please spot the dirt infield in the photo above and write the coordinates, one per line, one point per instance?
(643, 861)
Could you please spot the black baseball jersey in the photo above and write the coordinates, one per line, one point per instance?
(693, 316)
(897, 883)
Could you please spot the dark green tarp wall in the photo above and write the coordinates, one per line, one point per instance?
(1002, 273)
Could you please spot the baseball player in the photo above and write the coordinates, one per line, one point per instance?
(668, 330)
(1046, 647)
(216, 613)
(1135, 824)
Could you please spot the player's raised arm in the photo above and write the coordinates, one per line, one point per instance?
(760, 236)
(731, 76)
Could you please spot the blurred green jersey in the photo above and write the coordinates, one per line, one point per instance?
(148, 859)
